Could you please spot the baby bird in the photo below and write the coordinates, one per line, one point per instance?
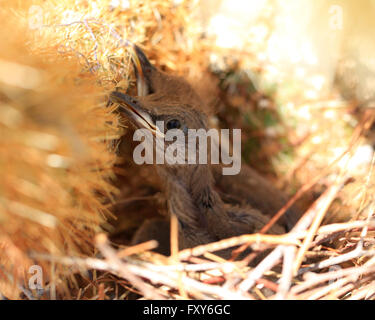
(202, 215)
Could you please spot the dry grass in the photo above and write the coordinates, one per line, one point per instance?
(57, 164)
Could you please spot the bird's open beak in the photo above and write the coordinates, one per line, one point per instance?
(132, 109)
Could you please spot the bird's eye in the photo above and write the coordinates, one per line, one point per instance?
(173, 124)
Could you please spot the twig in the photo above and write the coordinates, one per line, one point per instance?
(318, 209)
(235, 241)
(323, 277)
(365, 292)
(141, 247)
(272, 259)
(132, 271)
(356, 253)
(266, 264)
(287, 272)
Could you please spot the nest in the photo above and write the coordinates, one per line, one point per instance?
(60, 170)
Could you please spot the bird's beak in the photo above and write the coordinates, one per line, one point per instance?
(133, 110)
(131, 107)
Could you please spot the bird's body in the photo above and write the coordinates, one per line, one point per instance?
(202, 214)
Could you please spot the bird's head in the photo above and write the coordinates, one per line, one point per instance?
(161, 98)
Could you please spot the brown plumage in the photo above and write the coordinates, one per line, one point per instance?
(202, 214)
